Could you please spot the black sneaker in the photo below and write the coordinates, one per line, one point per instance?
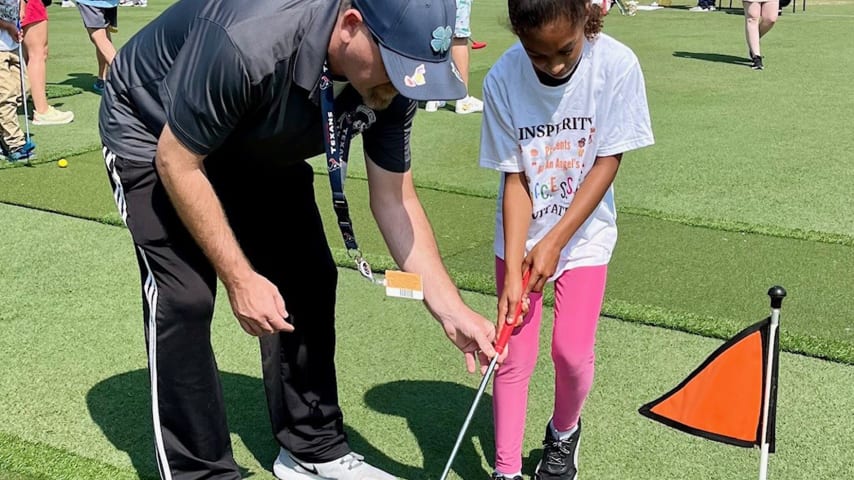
(757, 63)
(498, 476)
(560, 457)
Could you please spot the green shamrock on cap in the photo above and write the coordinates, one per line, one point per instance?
(441, 39)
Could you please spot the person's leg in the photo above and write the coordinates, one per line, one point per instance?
(460, 55)
(578, 303)
(178, 289)
(104, 49)
(752, 13)
(298, 367)
(10, 94)
(510, 386)
(769, 14)
(35, 46)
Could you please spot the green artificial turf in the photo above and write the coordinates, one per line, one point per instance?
(732, 144)
(695, 279)
(58, 91)
(745, 188)
(76, 399)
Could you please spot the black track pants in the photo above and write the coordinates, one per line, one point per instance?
(179, 289)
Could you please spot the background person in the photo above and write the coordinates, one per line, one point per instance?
(99, 17)
(759, 17)
(460, 54)
(34, 24)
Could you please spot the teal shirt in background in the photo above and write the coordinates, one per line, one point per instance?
(100, 3)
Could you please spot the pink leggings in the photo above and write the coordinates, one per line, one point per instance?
(578, 303)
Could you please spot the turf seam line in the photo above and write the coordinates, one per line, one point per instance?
(688, 220)
(711, 327)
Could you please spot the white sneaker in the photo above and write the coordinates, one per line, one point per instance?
(349, 467)
(434, 105)
(469, 105)
(67, 4)
(52, 117)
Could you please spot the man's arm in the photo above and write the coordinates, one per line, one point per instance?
(255, 301)
(410, 240)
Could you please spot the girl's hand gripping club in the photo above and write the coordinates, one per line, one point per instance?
(503, 338)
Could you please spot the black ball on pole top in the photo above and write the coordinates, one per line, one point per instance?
(777, 294)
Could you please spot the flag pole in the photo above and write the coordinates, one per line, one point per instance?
(777, 293)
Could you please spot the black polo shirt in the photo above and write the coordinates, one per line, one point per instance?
(239, 81)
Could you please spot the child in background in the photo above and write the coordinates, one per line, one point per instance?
(99, 17)
(561, 108)
(34, 25)
(16, 147)
(460, 54)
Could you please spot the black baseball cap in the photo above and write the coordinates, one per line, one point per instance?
(415, 41)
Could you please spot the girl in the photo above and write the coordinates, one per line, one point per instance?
(759, 17)
(561, 108)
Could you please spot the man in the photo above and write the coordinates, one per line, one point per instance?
(208, 115)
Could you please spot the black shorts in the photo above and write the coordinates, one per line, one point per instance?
(97, 17)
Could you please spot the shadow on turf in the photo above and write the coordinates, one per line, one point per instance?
(120, 405)
(714, 57)
(83, 81)
(434, 412)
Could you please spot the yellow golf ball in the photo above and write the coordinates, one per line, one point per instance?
(62, 163)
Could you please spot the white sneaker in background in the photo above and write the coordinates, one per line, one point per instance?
(67, 4)
(434, 105)
(52, 117)
(468, 105)
(349, 467)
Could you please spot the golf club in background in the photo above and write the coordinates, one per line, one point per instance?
(29, 146)
(503, 338)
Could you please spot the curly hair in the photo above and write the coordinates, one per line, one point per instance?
(527, 16)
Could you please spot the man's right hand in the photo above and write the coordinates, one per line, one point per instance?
(258, 306)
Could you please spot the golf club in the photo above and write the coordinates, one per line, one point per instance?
(28, 146)
(503, 338)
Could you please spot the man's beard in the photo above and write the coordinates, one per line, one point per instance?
(380, 97)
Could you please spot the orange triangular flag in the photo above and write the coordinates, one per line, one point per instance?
(722, 399)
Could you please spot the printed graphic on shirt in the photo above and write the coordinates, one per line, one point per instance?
(553, 155)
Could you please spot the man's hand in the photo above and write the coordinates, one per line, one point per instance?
(256, 302)
(473, 335)
(258, 306)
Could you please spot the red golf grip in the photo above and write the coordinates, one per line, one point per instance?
(507, 330)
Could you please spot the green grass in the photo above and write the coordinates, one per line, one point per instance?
(89, 418)
(746, 187)
(699, 280)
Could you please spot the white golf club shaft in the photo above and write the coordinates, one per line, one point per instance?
(21, 64)
(462, 434)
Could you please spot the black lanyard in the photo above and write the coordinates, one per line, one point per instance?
(337, 145)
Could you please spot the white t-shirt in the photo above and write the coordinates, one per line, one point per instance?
(554, 135)
(8, 12)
